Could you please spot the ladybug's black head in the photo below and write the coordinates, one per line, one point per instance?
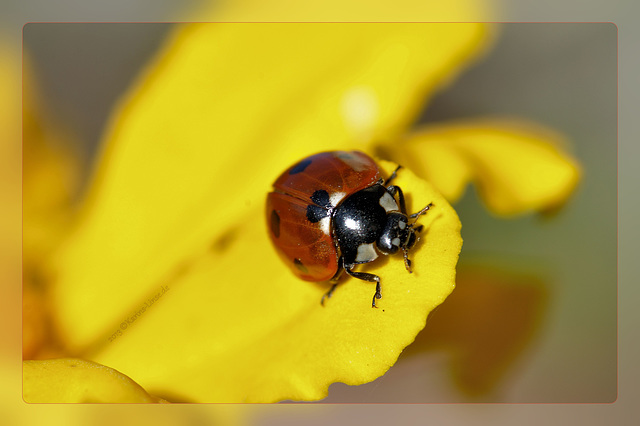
(396, 234)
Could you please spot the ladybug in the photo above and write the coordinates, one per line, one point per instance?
(332, 211)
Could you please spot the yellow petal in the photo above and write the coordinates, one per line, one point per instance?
(51, 176)
(351, 11)
(10, 197)
(220, 114)
(170, 277)
(237, 326)
(516, 167)
(76, 380)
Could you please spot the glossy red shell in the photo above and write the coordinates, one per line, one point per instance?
(308, 248)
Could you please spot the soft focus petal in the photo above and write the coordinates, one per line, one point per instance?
(170, 277)
(351, 11)
(486, 325)
(77, 380)
(223, 111)
(16, 412)
(10, 194)
(516, 167)
(51, 176)
(237, 326)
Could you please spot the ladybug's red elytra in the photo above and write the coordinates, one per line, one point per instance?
(332, 211)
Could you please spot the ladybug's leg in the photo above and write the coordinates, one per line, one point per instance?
(407, 261)
(415, 230)
(338, 274)
(393, 176)
(364, 276)
(328, 294)
(393, 190)
(334, 280)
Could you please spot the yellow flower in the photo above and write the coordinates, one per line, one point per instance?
(64, 380)
(516, 166)
(168, 277)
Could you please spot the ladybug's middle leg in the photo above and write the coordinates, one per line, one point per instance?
(365, 276)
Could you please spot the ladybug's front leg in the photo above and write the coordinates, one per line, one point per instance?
(424, 210)
(393, 190)
(365, 276)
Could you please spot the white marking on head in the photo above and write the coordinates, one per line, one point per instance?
(388, 203)
(396, 242)
(402, 224)
(325, 225)
(366, 253)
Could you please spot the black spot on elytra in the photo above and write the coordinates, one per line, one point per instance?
(315, 213)
(321, 198)
(275, 223)
(300, 265)
(300, 167)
